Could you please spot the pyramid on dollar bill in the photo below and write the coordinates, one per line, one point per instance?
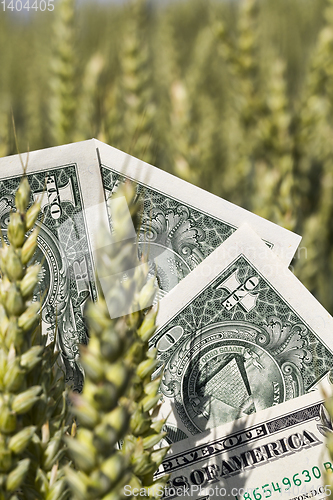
(226, 356)
(229, 384)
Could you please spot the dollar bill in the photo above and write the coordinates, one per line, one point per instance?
(238, 335)
(176, 235)
(279, 453)
(68, 182)
(181, 223)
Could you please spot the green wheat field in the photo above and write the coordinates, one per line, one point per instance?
(233, 96)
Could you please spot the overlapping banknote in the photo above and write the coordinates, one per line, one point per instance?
(181, 225)
(240, 334)
(239, 340)
(68, 181)
(278, 453)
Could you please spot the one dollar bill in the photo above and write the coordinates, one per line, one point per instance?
(238, 335)
(279, 453)
(182, 224)
(67, 181)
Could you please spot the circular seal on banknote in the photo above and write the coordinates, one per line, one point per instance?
(230, 379)
(53, 290)
(52, 286)
(47, 254)
(229, 370)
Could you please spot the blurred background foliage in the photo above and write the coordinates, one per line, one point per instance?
(232, 95)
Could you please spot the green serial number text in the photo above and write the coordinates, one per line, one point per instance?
(306, 476)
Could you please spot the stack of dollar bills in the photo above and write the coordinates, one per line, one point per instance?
(246, 350)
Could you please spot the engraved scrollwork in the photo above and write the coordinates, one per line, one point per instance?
(286, 342)
(153, 227)
(169, 385)
(287, 368)
(263, 339)
(174, 229)
(290, 369)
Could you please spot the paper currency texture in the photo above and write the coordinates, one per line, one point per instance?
(67, 180)
(238, 335)
(279, 453)
(181, 226)
(181, 223)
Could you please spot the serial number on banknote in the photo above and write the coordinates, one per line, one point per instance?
(286, 484)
